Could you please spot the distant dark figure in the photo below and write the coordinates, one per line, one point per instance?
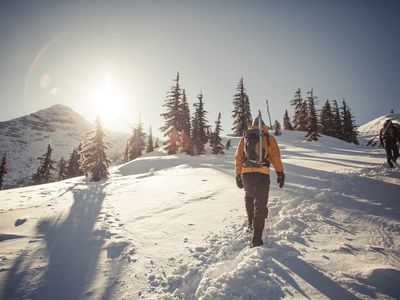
(228, 144)
(388, 137)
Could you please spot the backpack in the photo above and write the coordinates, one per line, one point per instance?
(391, 132)
(251, 149)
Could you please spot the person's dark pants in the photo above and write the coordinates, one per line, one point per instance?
(256, 187)
(392, 152)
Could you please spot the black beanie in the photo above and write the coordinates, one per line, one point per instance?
(256, 122)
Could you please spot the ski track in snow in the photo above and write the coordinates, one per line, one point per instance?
(180, 233)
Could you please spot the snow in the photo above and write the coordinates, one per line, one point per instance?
(173, 227)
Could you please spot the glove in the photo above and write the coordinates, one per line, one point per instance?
(239, 181)
(281, 179)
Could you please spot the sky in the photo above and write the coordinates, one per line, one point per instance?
(119, 58)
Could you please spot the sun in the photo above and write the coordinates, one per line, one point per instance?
(106, 99)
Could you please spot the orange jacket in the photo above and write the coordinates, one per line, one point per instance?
(272, 153)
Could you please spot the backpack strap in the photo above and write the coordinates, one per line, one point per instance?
(268, 145)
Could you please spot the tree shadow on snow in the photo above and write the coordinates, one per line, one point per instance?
(72, 251)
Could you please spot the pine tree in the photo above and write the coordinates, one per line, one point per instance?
(3, 170)
(46, 165)
(337, 121)
(174, 140)
(136, 142)
(286, 121)
(312, 118)
(300, 112)
(215, 139)
(326, 121)
(156, 144)
(62, 169)
(73, 167)
(199, 127)
(184, 125)
(241, 110)
(277, 128)
(349, 129)
(94, 162)
(303, 113)
(150, 146)
(126, 152)
(172, 116)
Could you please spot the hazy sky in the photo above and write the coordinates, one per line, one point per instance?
(80, 52)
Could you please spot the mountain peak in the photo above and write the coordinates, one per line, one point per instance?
(59, 107)
(56, 108)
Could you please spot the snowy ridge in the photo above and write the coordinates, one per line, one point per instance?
(173, 227)
(26, 138)
(369, 132)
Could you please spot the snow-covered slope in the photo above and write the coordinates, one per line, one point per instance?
(27, 137)
(369, 132)
(173, 227)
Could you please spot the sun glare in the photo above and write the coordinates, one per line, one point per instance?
(107, 99)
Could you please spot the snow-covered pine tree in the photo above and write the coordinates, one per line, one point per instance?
(173, 143)
(241, 110)
(62, 169)
(326, 120)
(277, 128)
(199, 127)
(312, 118)
(46, 165)
(349, 129)
(73, 167)
(184, 125)
(337, 121)
(215, 140)
(156, 144)
(303, 117)
(287, 125)
(172, 117)
(300, 111)
(3, 170)
(137, 141)
(94, 162)
(126, 152)
(150, 146)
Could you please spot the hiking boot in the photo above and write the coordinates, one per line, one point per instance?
(391, 164)
(256, 243)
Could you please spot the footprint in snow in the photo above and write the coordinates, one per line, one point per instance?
(19, 222)
(114, 249)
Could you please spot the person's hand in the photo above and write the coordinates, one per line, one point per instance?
(239, 181)
(281, 179)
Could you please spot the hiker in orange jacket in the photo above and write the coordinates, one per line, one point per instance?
(252, 173)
